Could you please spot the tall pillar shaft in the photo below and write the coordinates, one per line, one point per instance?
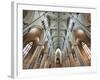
(72, 63)
(43, 60)
(78, 54)
(67, 62)
(46, 65)
(34, 57)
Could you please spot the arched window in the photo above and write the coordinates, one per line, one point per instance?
(87, 50)
(27, 48)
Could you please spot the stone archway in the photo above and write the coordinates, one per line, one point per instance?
(58, 58)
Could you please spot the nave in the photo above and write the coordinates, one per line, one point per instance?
(56, 39)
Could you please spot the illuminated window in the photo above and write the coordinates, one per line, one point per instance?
(27, 48)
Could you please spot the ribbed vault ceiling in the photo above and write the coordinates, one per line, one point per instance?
(58, 27)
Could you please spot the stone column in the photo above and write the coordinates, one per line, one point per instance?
(67, 62)
(43, 60)
(34, 57)
(78, 54)
(75, 46)
(38, 62)
(72, 63)
(46, 65)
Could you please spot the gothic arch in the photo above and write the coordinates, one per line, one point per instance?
(58, 56)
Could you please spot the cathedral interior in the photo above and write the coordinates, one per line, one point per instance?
(54, 39)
